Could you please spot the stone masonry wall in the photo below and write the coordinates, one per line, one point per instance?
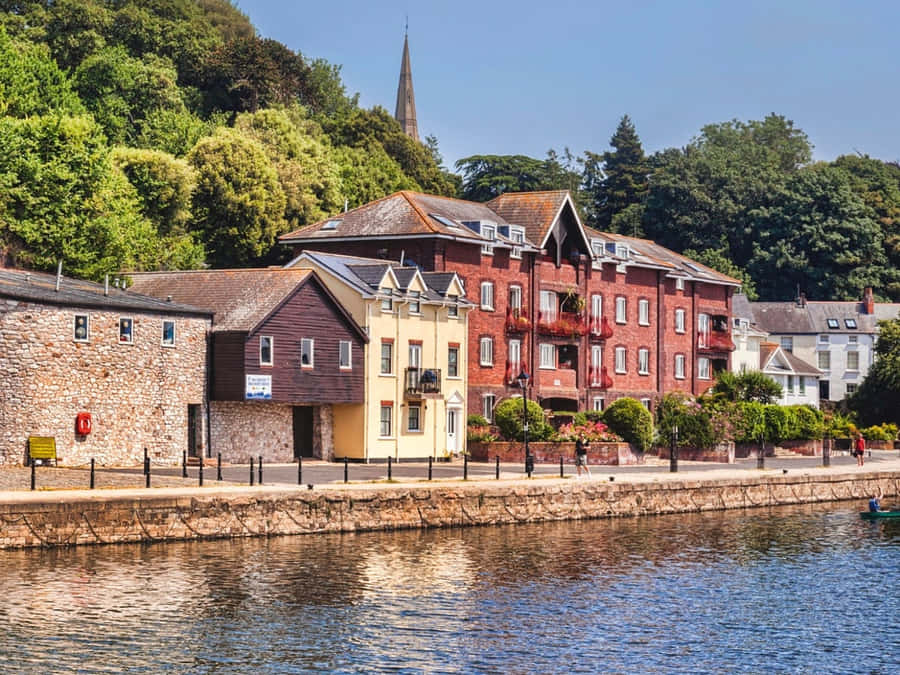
(245, 429)
(101, 517)
(137, 394)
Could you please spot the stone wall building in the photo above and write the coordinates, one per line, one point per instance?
(135, 364)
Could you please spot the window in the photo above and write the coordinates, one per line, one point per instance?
(548, 306)
(415, 304)
(488, 232)
(787, 344)
(548, 356)
(487, 295)
(679, 320)
(387, 415)
(415, 354)
(597, 250)
(679, 366)
(487, 406)
(824, 339)
(387, 357)
(620, 359)
(850, 323)
(596, 306)
(852, 360)
(851, 388)
(620, 309)
(833, 323)
(517, 234)
(265, 350)
(331, 224)
(599, 403)
(486, 353)
(344, 355)
(414, 418)
(644, 312)
(801, 385)
(82, 328)
(453, 361)
(703, 368)
(168, 333)
(679, 284)
(790, 384)
(126, 331)
(646, 403)
(515, 356)
(387, 304)
(453, 308)
(824, 360)
(306, 353)
(643, 361)
(515, 298)
(852, 339)
(703, 330)
(596, 358)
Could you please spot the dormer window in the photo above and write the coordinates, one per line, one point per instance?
(517, 235)
(331, 224)
(387, 304)
(597, 250)
(622, 250)
(415, 305)
(833, 324)
(679, 283)
(453, 308)
(488, 232)
(850, 323)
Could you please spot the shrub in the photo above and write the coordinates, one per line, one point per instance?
(508, 417)
(593, 415)
(476, 420)
(629, 419)
(580, 419)
(702, 423)
(750, 422)
(593, 431)
(838, 425)
(878, 433)
(809, 423)
(777, 423)
(477, 434)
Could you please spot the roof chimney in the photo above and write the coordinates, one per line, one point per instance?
(868, 301)
(801, 300)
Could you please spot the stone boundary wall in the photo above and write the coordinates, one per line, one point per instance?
(104, 518)
(723, 453)
(546, 452)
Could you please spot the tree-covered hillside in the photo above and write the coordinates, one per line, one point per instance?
(160, 134)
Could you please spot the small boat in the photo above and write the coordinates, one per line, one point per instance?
(876, 515)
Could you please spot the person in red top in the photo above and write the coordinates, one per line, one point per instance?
(859, 449)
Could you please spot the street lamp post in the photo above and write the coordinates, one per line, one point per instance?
(529, 460)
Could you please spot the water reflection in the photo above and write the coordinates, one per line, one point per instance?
(778, 589)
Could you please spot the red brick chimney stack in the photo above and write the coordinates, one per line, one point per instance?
(868, 301)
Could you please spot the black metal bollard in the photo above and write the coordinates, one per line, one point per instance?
(561, 471)
(32, 474)
(184, 464)
(260, 470)
(146, 461)
(219, 466)
(299, 471)
(761, 454)
(430, 461)
(200, 473)
(251, 471)
(465, 467)
(826, 452)
(389, 467)
(497, 468)
(346, 469)
(673, 452)
(92, 473)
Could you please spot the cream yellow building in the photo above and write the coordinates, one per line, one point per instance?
(415, 361)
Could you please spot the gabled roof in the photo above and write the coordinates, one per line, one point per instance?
(536, 211)
(240, 299)
(769, 352)
(41, 287)
(372, 275)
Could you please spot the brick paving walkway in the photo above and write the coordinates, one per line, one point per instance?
(14, 478)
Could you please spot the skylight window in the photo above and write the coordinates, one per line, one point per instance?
(850, 323)
(833, 323)
(692, 266)
(331, 224)
(444, 221)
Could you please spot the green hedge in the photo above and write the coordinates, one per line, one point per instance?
(508, 418)
(628, 418)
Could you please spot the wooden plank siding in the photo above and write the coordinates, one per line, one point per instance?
(227, 372)
(309, 313)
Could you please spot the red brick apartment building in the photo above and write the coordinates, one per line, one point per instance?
(589, 316)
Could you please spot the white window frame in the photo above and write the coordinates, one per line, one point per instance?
(488, 401)
(311, 343)
(487, 296)
(517, 235)
(703, 325)
(703, 368)
(387, 304)
(825, 339)
(389, 421)
(490, 232)
(852, 341)
(596, 306)
(415, 302)
(643, 312)
(515, 355)
(679, 283)
(787, 343)
(486, 351)
(851, 388)
(271, 341)
(855, 355)
(643, 361)
(599, 403)
(679, 366)
(449, 350)
(381, 370)
(345, 344)
(621, 309)
(823, 355)
(598, 249)
(130, 340)
(801, 385)
(621, 360)
(680, 315)
(549, 305)
(789, 385)
(547, 356)
(647, 403)
(419, 428)
(453, 307)
(515, 297)
(596, 357)
(163, 341)
(87, 328)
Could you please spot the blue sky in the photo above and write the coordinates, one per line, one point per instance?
(523, 77)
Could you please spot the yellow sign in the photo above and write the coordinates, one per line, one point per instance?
(42, 447)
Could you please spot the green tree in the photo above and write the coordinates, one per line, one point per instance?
(749, 386)
(621, 182)
(878, 398)
(368, 173)
(719, 261)
(488, 176)
(238, 205)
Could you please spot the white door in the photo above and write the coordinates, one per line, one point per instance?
(453, 415)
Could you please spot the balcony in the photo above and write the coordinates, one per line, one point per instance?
(600, 378)
(517, 320)
(562, 324)
(561, 378)
(715, 341)
(600, 328)
(423, 383)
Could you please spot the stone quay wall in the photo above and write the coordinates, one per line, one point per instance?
(546, 452)
(103, 517)
(137, 393)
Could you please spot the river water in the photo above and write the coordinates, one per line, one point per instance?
(789, 590)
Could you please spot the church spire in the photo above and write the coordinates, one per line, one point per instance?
(405, 112)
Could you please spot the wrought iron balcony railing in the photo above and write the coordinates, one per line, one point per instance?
(423, 381)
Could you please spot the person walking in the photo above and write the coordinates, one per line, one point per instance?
(582, 445)
(860, 449)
